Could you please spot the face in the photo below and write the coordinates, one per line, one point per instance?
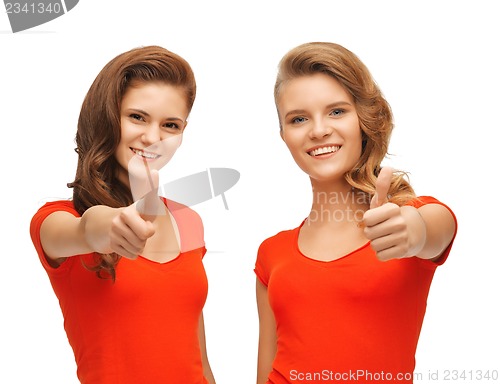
(320, 126)
(152, 117)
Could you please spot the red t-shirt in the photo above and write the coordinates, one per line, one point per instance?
(354, 319)
(143, 328)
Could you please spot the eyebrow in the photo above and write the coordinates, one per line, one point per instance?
(329, 106)
(148, 115)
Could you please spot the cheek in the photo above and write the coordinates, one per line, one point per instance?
(294, 149)
(121, 155)
(355, 132)
(124, 131)
(167, 149)
(359, 140)
(358, 148)
(291, 140)
(122, 149)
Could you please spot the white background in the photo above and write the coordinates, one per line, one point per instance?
(436, 62)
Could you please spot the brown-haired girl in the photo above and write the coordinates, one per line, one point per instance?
(125, 264)
(342, 297)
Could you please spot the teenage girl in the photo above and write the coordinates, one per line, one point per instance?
(125, 264)
(342, 297)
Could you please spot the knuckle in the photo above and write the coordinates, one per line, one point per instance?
(376, 245)
(406, 248)
(115, 222)
(368, 233)
(393, 209)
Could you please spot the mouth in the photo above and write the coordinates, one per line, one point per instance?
(145, 155)
(323, 150)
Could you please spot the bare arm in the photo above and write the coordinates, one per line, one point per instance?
(64, 235)
(438, 229)
(207, 370)
(267, 334)
(397, 232)
(100, 229)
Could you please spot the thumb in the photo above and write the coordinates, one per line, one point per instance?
(382, 187)
(149, 205)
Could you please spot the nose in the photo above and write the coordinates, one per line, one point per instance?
(320, 128)
(151, 135)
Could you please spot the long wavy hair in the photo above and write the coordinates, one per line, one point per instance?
(374, 112)
(98, 132)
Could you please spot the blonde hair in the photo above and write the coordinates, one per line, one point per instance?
(374, 112)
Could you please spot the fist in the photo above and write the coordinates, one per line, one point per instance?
(133, 226)
(394, 232)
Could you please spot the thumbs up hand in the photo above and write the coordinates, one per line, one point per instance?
(394, 232)
(382, 188)
(133, 226)
(150, 206)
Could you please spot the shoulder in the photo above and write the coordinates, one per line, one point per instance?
(188, 223)
(272, 251)
(46, 210)
(38, 219)
(279, 240)
(181, 211)
(55, 206)
(421, 201)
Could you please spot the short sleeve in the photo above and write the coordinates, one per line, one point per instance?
(190, 226)
(261, 269)
(424, 200)
(36, 223)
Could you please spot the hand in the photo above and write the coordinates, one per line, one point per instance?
(133, 226)
(394, 232)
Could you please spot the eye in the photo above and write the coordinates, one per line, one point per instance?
(136, 116)
(298, 120)
(337, 112)
(172, 126)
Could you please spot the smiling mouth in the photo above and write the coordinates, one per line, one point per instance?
(145, 155)
(324, 150)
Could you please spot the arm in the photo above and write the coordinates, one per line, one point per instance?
(62, 235)
(397, 232)
(100, 229)
(267, 334)
(438, 229)
(207, 370)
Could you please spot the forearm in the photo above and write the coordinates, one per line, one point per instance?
(267, 334)
(432, 227)
(64, 235)
(207, 370)
(96, 224)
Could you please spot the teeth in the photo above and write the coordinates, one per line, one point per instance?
(323, 150)
(147, 155)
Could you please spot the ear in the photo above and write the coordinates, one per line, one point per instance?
(281, 133)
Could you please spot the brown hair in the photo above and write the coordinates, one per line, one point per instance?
(98, 132)
(374, 113)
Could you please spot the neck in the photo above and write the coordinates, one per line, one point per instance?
(336, 203)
